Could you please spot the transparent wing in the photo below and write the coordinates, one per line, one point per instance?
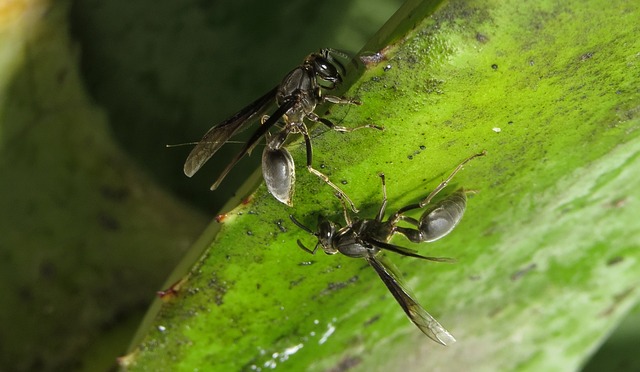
(407, 251)
(418, 315)
(261, 131)
(219, 134)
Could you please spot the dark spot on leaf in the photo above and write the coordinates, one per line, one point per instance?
(346, 364)
(281, 227)
(249, 232)
(25, 294)
(520, 273)
(114, 193)
(617, 299)
(332, 287)
(294, 283)
(344, 182)
(495, 312)
(482, 38)
(615, 260)
(586, 56)
(61, 76)
(217, 289)
(617, 203)
(108, 222)
(372, 320)
(48, 270)
(36, 364)
(494, 66)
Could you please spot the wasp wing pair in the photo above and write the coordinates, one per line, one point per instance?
(218, 135)
(416, 313)
(296, 99)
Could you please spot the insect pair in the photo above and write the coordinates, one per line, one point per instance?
(366, 238)
(295, 98)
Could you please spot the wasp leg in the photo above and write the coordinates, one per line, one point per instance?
(341, 100)
(444, 183)
(339, 128)
(398, 215)
(321, 175)
(383, 206)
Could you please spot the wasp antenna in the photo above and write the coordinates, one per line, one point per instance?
(300, 225)
(304, 247)
(195, 143)
(180, 144)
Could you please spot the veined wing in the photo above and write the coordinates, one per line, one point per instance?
(255, 137)
(219, 134)
(418, 315)
(407, 251)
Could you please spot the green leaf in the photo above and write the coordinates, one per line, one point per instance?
(86, 236)
(619, 352)
(547, 253)
(90, 93)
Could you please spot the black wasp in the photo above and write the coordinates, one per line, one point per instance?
(296, 98)
(365, 238)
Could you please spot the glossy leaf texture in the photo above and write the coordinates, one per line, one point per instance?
(547, 252)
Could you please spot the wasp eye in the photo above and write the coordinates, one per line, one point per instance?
(326, 70)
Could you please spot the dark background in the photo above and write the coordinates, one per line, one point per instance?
(167, 71)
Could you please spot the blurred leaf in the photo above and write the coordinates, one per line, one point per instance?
(86, 236)
(619, 354)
